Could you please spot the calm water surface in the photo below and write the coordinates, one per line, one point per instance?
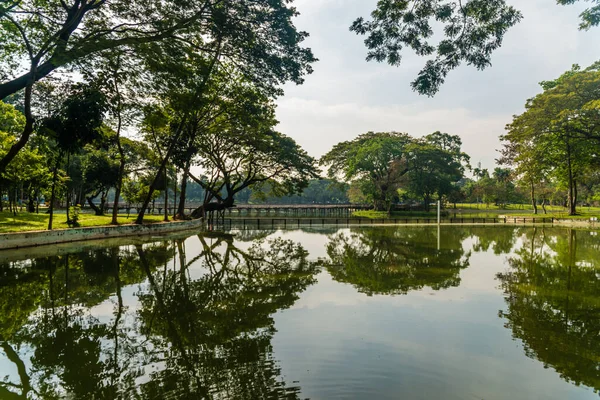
(360, 313)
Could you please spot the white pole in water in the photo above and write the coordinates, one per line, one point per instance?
(439, 222)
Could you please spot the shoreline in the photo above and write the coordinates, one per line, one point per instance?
(19, 240)
(32, 239)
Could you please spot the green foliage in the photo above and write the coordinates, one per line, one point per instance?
(396, 261)
(436, 163)
(472, 31)
(553, 288)
(375, 163)
(207, 334)
(29, 168)
(75, 215)
(378, 165)
(49, 34)
(557, 137)
(136, 190)
(318, 191)
(78, 120)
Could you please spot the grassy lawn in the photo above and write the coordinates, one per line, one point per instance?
(384, 215)
(25, 221)
(471, 211)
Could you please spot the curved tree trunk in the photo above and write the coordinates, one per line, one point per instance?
(97, 211)
(184, 179)
(27, 130)
(103, 197)
(201, 211)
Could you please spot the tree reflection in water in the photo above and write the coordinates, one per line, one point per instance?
(205, 334)
(552, 290)
(397, 260)
(162, 321)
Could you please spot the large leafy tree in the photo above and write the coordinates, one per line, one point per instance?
(29, 171)
(436, 164)
(472, 30)
(39, 37)
(74, 124)
(375, 161)
(557, 134)
(198, 86)
(241, 148)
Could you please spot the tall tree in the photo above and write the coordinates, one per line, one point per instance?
(557, 131)
(376, 161)
(75, 124)
(436, 163)
(37, 37)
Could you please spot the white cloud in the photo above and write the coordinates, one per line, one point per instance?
(347, 96)
(318, 126)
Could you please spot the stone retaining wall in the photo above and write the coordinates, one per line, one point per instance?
(586, 223)
(39, 238)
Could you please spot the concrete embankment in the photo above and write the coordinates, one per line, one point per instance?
(582, 223)
(40, 238)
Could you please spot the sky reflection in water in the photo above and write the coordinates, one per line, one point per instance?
(373, 312)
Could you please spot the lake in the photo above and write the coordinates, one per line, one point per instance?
(455, 312)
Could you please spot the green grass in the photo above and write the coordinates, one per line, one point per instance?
(517, 208)
(25, 221)
(384, 215)
(471, 211)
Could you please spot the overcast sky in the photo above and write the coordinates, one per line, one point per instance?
(347, 96)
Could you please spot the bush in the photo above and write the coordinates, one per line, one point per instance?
(74, 213)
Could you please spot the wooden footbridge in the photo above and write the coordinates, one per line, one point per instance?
(269, 210)
(296, 210)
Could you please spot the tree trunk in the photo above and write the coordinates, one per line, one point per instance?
(115, 211)
(53, 192)
(119, 185)
(533, 200)
(184, 179)
(175, 195)
(1, 200)
(30, 202)
(90, 200)
(68, 192)
(103, 197)
(14, 202)
(27, 130)
(575, 195)
(140, 218)
(166, 218)
(544, 206)
(571, 194)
